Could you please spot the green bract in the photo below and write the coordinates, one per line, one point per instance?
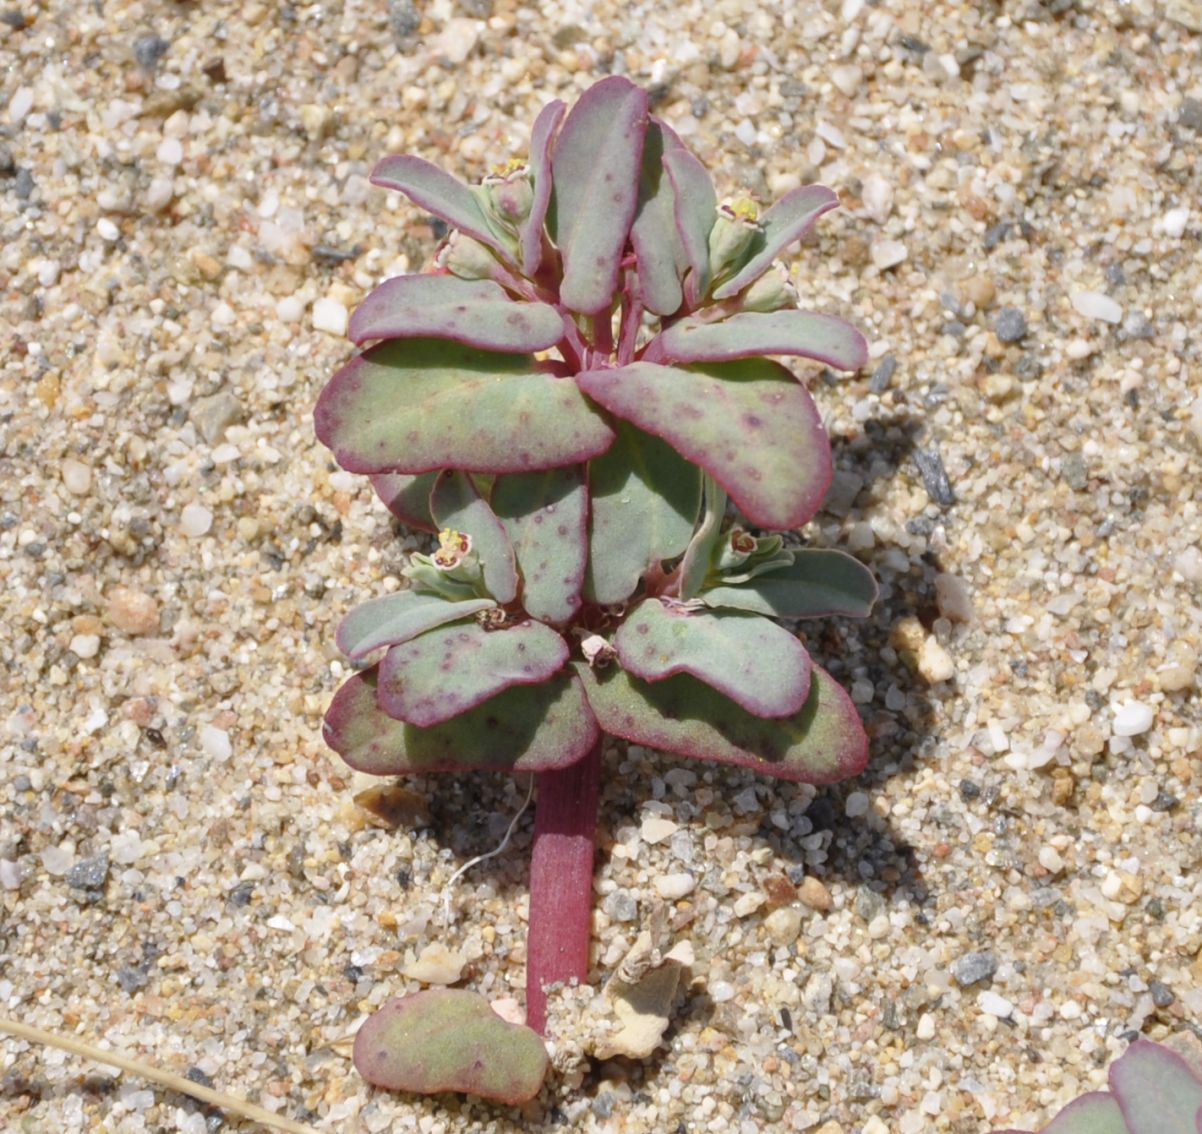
(577, 400)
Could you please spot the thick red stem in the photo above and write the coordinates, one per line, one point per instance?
(561, 881)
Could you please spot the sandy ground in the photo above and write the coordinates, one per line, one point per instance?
(980, 922)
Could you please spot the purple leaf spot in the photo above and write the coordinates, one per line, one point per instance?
(562, 529)
(752, 420)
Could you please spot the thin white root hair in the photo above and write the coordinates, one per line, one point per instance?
(446, 890)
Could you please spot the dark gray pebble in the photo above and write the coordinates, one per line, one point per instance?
(883, 374)
(1010, 325)
(934, 477)
(1162, 995)
(149, 49)
(89, 873)
(973, 968)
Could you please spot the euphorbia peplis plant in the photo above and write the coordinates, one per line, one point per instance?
(577, 401)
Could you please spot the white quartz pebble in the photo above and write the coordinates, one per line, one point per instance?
(1095, 305)
(1132, 719)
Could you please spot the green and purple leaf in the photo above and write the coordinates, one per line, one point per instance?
(645, 500)
(788, 220)
(525, 728)
(416, 405)
(751, 425)
(658, 249)
(1156, 1090)
(542, 136)
(407, 497)
(449, 1039)
(595, 175)
(696, 208)
(439, 194)
(451, 669)
(821, 744)
(756, 663)
(392, 619)
(818, 582)
(479, 313)
(455, 503)
(546, 517)
(806, 334)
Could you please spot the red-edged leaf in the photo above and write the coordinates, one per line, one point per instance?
(451, 669)
(696, 208)
(657, 245)
(526, 728)
(395, 618)
(449, 1039)
(818, 582)
(455, 504)
(785, 222)
(542, 136)
(546, 517)
(806, 334)
(439, 193)
(753, 661)
(420, 404)
(750, 425)
(1155, 1089)
(595, 173)
(822, 743)
(477, 312)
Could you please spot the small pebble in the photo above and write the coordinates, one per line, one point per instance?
(195, 520)
(656, 828)
(994, 1005)
(57, 860)
(132, 611)
(77, 477)
(952, 598)
(814, 894)
(436, 964)
(1010, 325)
(1050, 860)
(980, 290)
(877, 195)
(721, 991)
(972, 968)
(887, 254)
(149, 49)
(934, 662)
(215, 742)
(170, 151)
(1175, 221)
(89, 873)
(783, 925)
(673, 886)
(85, 645)
(847, 78)
(934, 476)
(856, 805)
(1095, 305)
(159, 193)
(1132, 719)
(883, 374)
(620, 905)
(1162, 995)
(330, 316)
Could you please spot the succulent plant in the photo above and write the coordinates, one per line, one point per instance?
(1153, 1090)
(577, 403)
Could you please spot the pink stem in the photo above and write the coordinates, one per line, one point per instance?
(561, 881)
